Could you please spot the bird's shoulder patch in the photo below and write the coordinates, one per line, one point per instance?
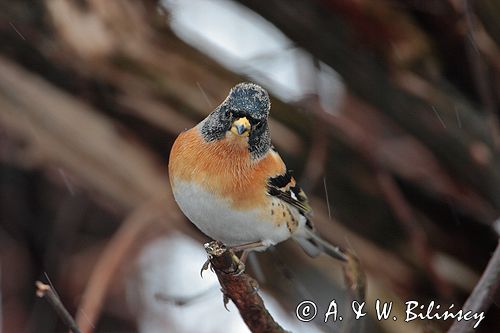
(284, 187)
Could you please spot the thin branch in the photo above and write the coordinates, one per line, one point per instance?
(407, 218)
(147, 219)
(483, 294)
(241, 289)
(355, 277)
(480, 72)
(355, 281)
(44, 290)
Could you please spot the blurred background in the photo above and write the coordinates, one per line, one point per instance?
(386, 111)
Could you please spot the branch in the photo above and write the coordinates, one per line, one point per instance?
(480, 72)
(44, 290)
(483, 294)
(241, 289)
(407, 218)
(355, 281)
(147, 221)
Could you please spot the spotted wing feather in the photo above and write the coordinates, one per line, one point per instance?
(285, 188)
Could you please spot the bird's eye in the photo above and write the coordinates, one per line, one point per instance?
(228, 115)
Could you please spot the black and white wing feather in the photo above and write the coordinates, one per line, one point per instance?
(285, 188)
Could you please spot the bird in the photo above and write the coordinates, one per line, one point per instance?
(231, 183)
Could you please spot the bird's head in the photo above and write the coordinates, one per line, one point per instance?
(242, 119)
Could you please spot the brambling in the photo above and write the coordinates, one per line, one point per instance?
(229, 180)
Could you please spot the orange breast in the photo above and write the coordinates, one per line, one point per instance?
(224, 167)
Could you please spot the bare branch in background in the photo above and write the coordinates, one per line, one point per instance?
(483, 295)
(355, 280)
(92, 94)
(405, 215)
(45, 291)
(480, 71)
(147, 219)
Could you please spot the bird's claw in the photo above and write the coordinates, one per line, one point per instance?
(205, 267)
(240, 266)
(240, 270)
(225, 299)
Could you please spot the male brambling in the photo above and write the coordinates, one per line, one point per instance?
(231, 183)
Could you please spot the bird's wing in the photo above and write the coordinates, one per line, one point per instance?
(284, 187)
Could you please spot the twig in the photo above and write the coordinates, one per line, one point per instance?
(355, 281)
(483, 294)
(44, 290)
(480, 72)
(241, 289)
(146, 219)
(354, 277)
(407, 218)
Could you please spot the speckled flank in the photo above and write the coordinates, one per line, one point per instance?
(283, 215)
(292, 223)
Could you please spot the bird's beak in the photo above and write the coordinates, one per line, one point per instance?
(241, 127)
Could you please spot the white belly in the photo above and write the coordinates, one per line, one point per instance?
(215, 218)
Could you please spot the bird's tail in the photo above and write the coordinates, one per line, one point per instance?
(313, 245)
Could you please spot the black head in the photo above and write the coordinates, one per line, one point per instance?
(243, 113)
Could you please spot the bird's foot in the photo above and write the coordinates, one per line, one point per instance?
(239, 265)
(225, 298)
(205, 267)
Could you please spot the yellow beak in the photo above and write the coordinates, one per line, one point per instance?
(241, 127)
